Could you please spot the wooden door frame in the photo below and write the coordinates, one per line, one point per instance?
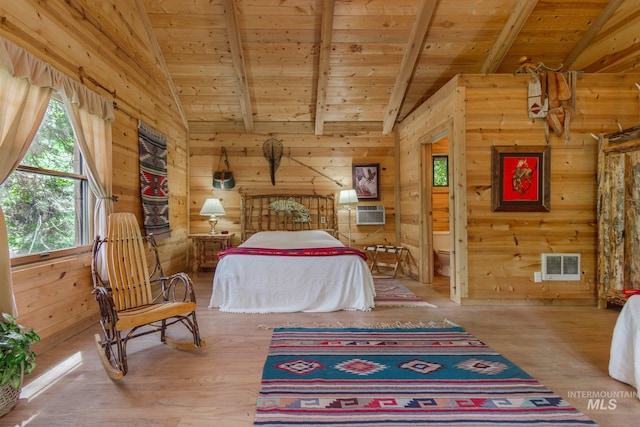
(433, 135)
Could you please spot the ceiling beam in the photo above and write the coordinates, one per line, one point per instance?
(519, 15)
(323, 65)
(235, 44)
(144, 17)
(591, 32)
(409, 58)
(270, 128)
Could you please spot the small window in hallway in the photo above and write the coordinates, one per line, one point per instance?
(440, 171)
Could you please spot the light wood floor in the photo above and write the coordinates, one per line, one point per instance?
(566, 348)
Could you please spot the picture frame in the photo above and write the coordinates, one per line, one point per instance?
(520, 180)
(366, 181)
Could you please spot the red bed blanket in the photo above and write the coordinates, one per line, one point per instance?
(293, 252)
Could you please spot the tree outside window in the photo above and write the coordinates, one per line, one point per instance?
(45, 200)
(440, 171)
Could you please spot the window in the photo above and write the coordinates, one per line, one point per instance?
(440, 171)
(46, 199)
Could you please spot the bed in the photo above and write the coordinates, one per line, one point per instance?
(291, 261)
(624, 361)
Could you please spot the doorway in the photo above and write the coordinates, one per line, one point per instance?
(440, 206)
(437, 216)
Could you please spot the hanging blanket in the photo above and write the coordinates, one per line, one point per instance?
(154, 188)
(293, 252)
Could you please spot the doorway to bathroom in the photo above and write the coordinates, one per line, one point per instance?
(440, 206)
(437, 212)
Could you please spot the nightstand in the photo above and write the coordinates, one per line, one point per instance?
(205, 249)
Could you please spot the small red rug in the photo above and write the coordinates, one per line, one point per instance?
(391, 293)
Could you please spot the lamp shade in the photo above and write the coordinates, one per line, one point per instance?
(348, 197)
(212, 207)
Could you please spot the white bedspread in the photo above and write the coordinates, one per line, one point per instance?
(280, 284)
(624, 363)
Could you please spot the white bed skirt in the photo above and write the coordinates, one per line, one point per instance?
(283, 284)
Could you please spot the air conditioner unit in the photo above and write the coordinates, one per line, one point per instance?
(370, 215)
(560, 266)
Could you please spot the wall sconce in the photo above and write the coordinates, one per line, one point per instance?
(213, 208)
(347, 199)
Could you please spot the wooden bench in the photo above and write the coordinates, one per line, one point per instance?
(394, 260)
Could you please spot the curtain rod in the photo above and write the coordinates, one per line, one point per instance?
(83, 76)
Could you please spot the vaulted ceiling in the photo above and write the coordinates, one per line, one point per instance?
(323, 66)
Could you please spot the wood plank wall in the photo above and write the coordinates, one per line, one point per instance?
(504, 248)
(112, 54)
(325, 161)
(54, 297)
(423, 126)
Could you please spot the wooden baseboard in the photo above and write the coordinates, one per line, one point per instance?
(59, 337)
(585, 302)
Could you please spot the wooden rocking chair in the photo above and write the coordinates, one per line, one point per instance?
(126, 300)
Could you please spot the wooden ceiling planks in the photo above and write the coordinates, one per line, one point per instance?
(282, 52)
(553, 30)
(521, 12)
(160, 61)
(323, 64)
(594, 28)
(369, 43)
(614, 48)
(353, 68)
(235, 45)
(461, 35)
(409, 58)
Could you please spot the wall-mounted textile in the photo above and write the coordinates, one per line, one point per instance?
(153, 181)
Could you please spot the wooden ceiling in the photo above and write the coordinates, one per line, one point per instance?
(333, 65)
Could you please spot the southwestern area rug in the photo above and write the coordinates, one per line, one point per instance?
(400, 377)
(390, 292)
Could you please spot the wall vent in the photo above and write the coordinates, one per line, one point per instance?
(560, 266)
(370, 215)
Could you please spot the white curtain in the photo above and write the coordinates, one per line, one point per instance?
(21, 63)
(26, 84)
(22, 106)
(93, 135)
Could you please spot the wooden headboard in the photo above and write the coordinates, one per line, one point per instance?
(287, 212)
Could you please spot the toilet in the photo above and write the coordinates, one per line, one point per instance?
(441, 241)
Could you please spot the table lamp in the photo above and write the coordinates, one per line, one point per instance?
(213, 208)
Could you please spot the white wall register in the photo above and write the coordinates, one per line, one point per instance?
(560, 266)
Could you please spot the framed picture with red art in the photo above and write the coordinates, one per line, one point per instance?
(520, 179)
